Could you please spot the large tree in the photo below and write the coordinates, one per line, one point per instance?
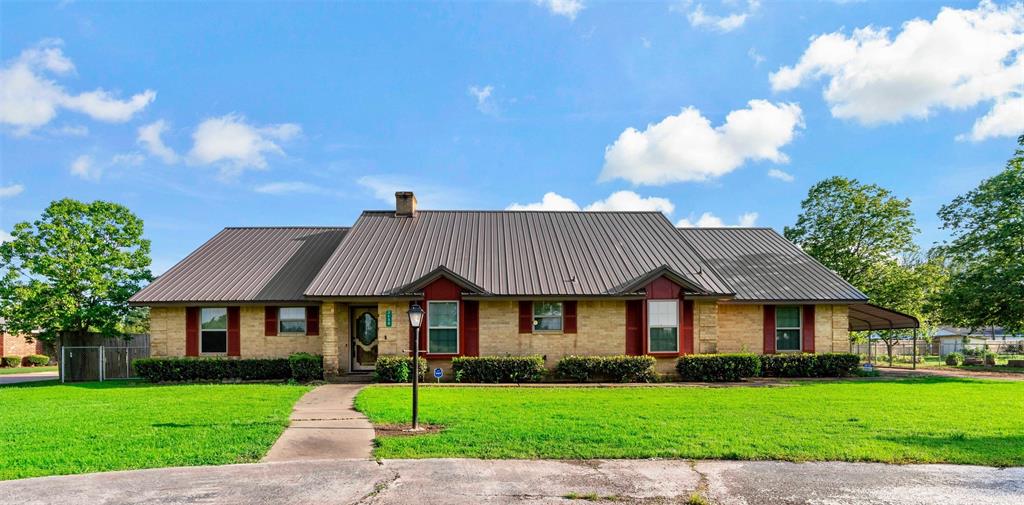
(986, 251)
(72, 271)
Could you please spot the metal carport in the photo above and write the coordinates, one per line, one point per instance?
(870, 317)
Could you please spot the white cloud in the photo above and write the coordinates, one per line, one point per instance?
(756, 56)
(128, 159)
(685, 147)
(1006, 119)
(12, 190)
(428, 195)
(700, 19)
(4, 236)
(484, 100)
(150, 137)
(30, 98)
(230, 139)
(960, 59)
(617, 201)
(566, 8)
(781, 175)
(86, 168)
(709, 220)
(287, 187)
(71, 130)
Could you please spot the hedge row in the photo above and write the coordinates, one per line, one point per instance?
(11, 361)
(498, 369)
(301, 367)
(734, 367)
(397, 369)
(607, 368)
(30, 360)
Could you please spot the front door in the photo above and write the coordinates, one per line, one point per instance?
(364, 338)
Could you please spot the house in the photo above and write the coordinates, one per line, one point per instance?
(18, 345)
(948, 339)
(502, 283)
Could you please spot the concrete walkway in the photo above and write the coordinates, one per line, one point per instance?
(471, 481)
(325, 425)
(17, 378)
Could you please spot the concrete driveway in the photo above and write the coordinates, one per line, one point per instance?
(468, 481)
(27, 377)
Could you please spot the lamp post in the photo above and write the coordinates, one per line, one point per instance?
(415, 319)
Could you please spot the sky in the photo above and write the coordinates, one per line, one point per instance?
(197, 116)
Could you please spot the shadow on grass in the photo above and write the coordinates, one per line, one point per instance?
(966, 448)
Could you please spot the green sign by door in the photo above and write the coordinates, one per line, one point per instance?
(387, 318)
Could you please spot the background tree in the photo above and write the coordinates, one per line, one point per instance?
(71, 272)
(986, 252)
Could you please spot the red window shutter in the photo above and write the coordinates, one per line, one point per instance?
(192, 331)
(569, 316)
(270, 320)
(234, 332)
(634, 327)
(808, 329)
(687, 347)
(312, 321)
(769, 329)
(525, 317)
(471, 328)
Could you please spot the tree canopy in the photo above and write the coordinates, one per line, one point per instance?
(72, 271)
(986, 251)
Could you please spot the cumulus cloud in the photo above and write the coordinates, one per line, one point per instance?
(151, 138)
(30, 97)
(85, 167)
(484, 100)
(232, 141)
(618, 201)
(566, 8)
(960, 59)
(12, 190)
(287, 187)
(724, 23)
(709, 220)
(685, 147)
(781, 175)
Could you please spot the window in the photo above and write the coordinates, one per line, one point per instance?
(291, 320)
(787, 328)
(663, 326)
(213, 334)
(547, 316)
(443, 327)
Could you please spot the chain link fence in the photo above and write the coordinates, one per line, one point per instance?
(902, 353)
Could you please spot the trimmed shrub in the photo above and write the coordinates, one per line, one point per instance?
(11, 361)
(954, 359)
(37, 360)
(809, 365)
(496, 369)
(306, 367)
(607, 368)
(396, 369)
(718, 367)
(990, 358)
(211, 369)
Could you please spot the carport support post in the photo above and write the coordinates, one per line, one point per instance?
(913, 362)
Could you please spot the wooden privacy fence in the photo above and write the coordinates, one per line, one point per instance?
(111, 359)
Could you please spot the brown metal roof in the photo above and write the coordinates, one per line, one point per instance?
(762, 265)
(510, 253)
(865, 317)
(247, 264)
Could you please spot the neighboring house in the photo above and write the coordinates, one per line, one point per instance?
(18, 345)
(949, 339)
(502, 283)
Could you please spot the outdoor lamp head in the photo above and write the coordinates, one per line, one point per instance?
(415, 315)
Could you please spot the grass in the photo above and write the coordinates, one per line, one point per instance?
(53, 429)
(27, 369)
(932, 420)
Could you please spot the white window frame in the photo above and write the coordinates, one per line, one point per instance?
(202, 331)
(799, 327)
(280, 320)
(649, 325)
(561, 317)
(456, 327)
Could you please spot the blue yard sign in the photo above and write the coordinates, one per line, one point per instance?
(438, 373)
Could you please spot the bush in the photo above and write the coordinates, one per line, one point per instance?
(37, 360)
(495, 369)
(11, 361)
(607, 368)
(974, 352)
(306, 367)
(809, 365)
(211, 369)
(396, 369)
(990, 358)
(718, 367)
(954, 359)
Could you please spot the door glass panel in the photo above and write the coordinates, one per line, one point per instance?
(364, 342)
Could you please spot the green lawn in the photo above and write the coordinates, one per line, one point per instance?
(923, 420)
(27, 369)
(50, 429)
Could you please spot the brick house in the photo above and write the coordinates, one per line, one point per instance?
(18, 345)
(501, 283)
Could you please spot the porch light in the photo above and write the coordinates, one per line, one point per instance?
(415, 319)
(415, 315)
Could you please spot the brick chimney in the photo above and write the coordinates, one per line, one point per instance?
(405, 204)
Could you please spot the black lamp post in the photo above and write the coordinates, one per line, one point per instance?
(415, 319)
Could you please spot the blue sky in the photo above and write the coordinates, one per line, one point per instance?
(203, 116)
